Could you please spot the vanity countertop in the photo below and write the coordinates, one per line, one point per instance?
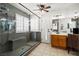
(59, 34)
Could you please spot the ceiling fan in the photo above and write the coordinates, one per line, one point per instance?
(43, 7)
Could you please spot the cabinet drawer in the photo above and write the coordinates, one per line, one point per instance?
(53, 36)
(55, 43)
(62, 45)
(63, 40)
(62, 37)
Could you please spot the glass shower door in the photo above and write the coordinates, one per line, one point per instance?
(7, 28)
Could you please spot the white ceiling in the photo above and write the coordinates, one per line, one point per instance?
(56, 8)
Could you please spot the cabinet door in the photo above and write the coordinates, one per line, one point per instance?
(62, 41)
(54, 40)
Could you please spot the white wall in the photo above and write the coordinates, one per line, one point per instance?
(45, 25)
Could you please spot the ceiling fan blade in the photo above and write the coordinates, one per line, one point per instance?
(42, 6)
(48, 7)
(46, 10)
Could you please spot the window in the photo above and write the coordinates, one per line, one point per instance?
(22, 23)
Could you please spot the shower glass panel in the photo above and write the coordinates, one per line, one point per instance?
(15, 37)
(7, 25)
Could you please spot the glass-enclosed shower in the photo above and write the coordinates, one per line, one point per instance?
(15, 37)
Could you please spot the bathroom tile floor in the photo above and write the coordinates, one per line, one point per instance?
(46, 50)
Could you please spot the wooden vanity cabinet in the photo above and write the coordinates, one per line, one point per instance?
(54, 40)
(59, 41)
(62, 41)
